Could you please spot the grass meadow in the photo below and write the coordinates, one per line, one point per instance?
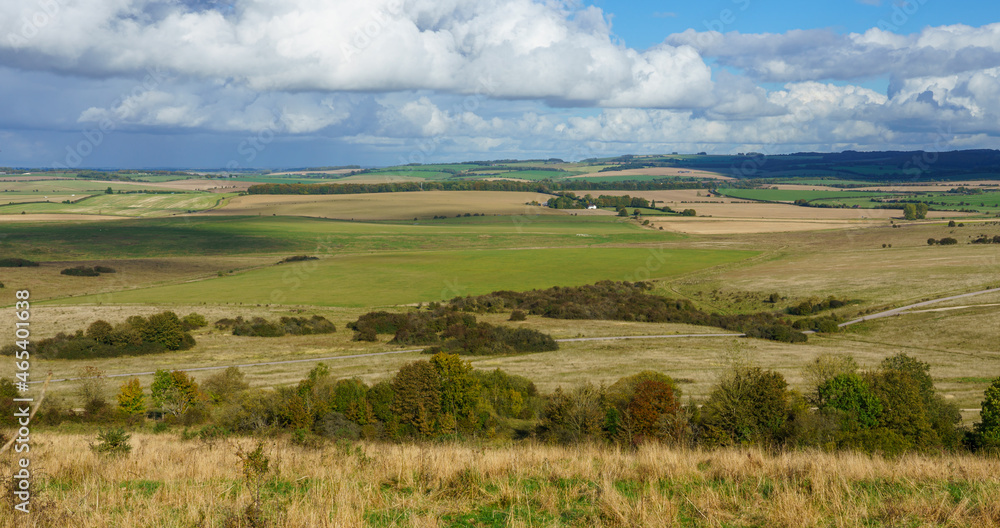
(167, 481)
(223, 265)
(141, 205)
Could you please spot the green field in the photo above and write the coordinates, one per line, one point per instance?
(783, 195)
(140, 204)
(219, 236)
(409, 277)
(988, 202)
(826, 181)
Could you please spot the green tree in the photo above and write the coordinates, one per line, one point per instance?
(460, 390)
(100, 331)
(131, 400)
(223, 386)
(943, 415)
(174, 392)
(109, 191)
(986, 432)
(164, 328)
(910, 211)
(921, 210)
(749, 405)
(850, 395)
(903, 409)
(417, 391)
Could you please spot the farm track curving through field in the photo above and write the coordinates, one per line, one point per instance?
(905, 309)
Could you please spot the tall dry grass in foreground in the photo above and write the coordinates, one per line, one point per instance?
(169, 482)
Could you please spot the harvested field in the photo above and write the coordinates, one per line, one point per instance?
(773, 211)
(193, 185)
(658, 171)
(55, 217)
(712, 226)
(388, 206)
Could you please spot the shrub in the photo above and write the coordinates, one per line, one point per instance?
(11, 262)
(297, 258)
(748, 406)
(417, 390)
(113, 442)
(258, 327)
(104, 269)
(80, 271)
(986, 432)
(131, 401)
(852, 397)
(931, 241)
(518, 315)
(193, 321)
(947, 241)
(224, 386)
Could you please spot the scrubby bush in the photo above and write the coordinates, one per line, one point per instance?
(749, 405)
(80, 271)
(113, 442)
(624, 301)
(193, 321)
(12, 262)
(260, 327)
(136, 336)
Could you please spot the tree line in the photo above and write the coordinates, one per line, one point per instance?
(544, 186)
(890, 409)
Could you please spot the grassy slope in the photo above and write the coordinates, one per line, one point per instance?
(395, 278)
(364, 484)
(145, 205)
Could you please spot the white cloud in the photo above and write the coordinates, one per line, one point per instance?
(508, 49)
(802, 55)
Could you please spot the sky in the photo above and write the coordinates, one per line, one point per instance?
(240, 84)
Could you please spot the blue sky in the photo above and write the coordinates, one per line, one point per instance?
(291, 83)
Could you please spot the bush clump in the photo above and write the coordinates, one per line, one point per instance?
(260, 327)
(297, 258)
(81, 271)
(135, 337)
(624, 301)
(11, 262)
(450, 331)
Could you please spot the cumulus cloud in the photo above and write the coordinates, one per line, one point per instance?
(444, 78)
(508, 49)
(802, 55)
(225, 108)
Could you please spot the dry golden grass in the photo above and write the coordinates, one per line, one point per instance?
(388, 206)
(169, 482)
(192, 184)
(720, 226)
(45, 281)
